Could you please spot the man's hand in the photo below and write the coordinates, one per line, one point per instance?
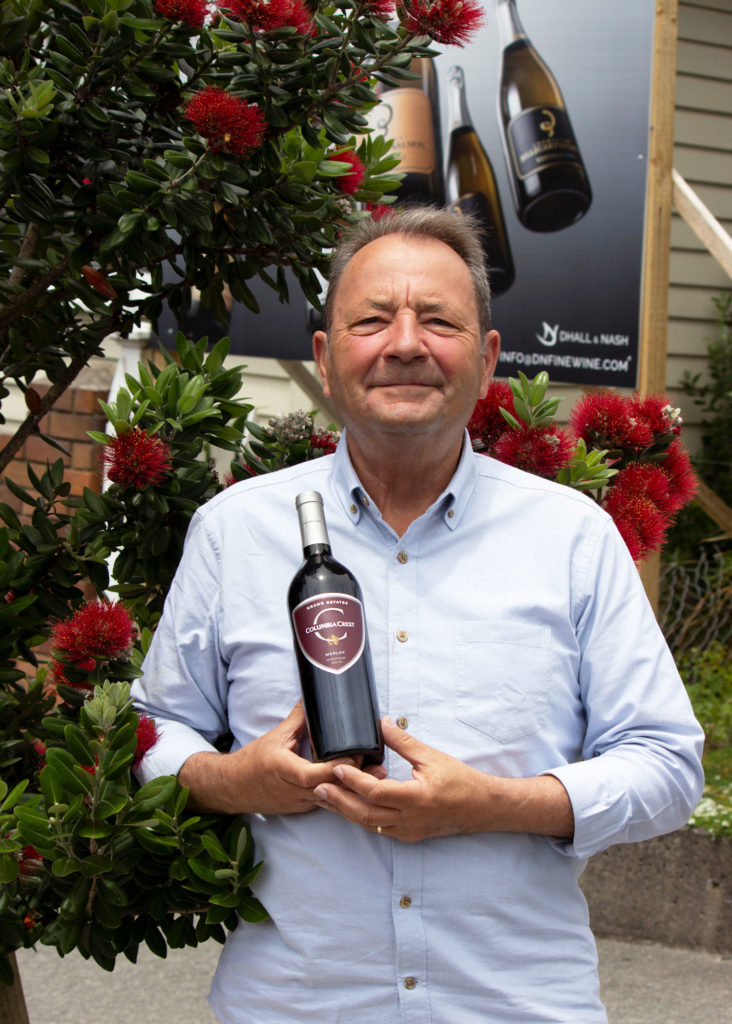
(444, 797)
(267, 776)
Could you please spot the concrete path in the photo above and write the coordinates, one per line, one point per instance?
(642, 983)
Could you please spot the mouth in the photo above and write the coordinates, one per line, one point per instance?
(404, 384)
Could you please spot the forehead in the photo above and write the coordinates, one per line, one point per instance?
(402, 267)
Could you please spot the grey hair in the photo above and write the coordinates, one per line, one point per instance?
(460, 232)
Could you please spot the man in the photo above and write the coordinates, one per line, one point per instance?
(536, 713)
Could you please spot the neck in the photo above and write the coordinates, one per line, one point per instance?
(405, 478)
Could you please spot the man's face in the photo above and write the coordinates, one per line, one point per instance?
(405, 344)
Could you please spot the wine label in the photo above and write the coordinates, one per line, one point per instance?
(541, 137)
(330, 630)
(405, 116)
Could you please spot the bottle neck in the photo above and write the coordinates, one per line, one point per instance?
(313, 531)
(509, 24)
(316, 550)
(458, 105)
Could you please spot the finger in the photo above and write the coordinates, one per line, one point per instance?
(309, 774)
(353, 807)
(411, 749)
(383, 793)
(295, 725)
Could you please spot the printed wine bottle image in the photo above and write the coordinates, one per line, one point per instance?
(548, 179)
(470, 185)
(332, 648)
(410, 115)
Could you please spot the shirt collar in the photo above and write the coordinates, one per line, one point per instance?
(452, 502)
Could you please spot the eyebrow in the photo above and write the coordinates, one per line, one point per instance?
(422, 306)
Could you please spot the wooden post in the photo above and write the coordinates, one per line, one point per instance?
(12, 1000)
(659, 200)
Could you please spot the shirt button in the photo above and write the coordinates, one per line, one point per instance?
(405, 902)
(365, 500)
(402, 636)
(451, 513)
(403, 557)
(410, 982)
(353, 510)
(402, 722)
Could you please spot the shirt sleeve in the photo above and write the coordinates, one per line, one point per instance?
(184, 685)
(641, 773)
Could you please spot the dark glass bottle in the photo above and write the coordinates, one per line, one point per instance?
(331, 643)
(409, 115)
(548, 178)
(470, 185)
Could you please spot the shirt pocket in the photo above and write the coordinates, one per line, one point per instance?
(502, 677)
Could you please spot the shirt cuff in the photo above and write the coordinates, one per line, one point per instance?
(601, 807)
(175, 744)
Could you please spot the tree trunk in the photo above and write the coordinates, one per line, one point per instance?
(12, 1001)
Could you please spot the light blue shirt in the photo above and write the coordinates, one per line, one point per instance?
(509, 628)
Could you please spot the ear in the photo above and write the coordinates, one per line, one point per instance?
(321, 354)
(490, 359)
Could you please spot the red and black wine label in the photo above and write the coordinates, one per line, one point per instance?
(330, 631)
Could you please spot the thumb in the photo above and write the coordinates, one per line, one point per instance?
(295, 724)
(411, 749)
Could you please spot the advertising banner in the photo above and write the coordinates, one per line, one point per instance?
(541, 128)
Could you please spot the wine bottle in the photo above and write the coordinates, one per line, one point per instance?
(470, 186)
(331, 644)
(548, 179)
(409, 115)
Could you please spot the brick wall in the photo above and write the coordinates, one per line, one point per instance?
(74, 413)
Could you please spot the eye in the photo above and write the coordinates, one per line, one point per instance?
(368, 323)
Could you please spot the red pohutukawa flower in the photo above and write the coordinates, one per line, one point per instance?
(487, 424)
(190, 12)
(147, 737)
(351, 182)
(98, 631)
(325, 441)
(379, 210)
(539, 450)
(683, 485)
(641, 524)
(228, 123)
(136, 459)
(29, 861)
(382, 9)
(645, 478)
(658, 413)
(605, 419)
(269, 15)
(450, 22)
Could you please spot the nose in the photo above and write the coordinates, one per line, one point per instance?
(406, 337)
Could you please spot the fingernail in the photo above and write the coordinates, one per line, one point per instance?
(338, 772)
(388, 720)
(321, 794)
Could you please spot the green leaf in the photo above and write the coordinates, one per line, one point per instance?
(214, 848)
(9, 868)
(250, 909)
(154, 793)
(64, 866)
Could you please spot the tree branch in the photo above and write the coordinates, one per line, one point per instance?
(30, 424)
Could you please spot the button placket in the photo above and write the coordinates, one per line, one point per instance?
(404, 683)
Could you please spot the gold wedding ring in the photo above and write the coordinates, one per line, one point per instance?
(378, 829)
